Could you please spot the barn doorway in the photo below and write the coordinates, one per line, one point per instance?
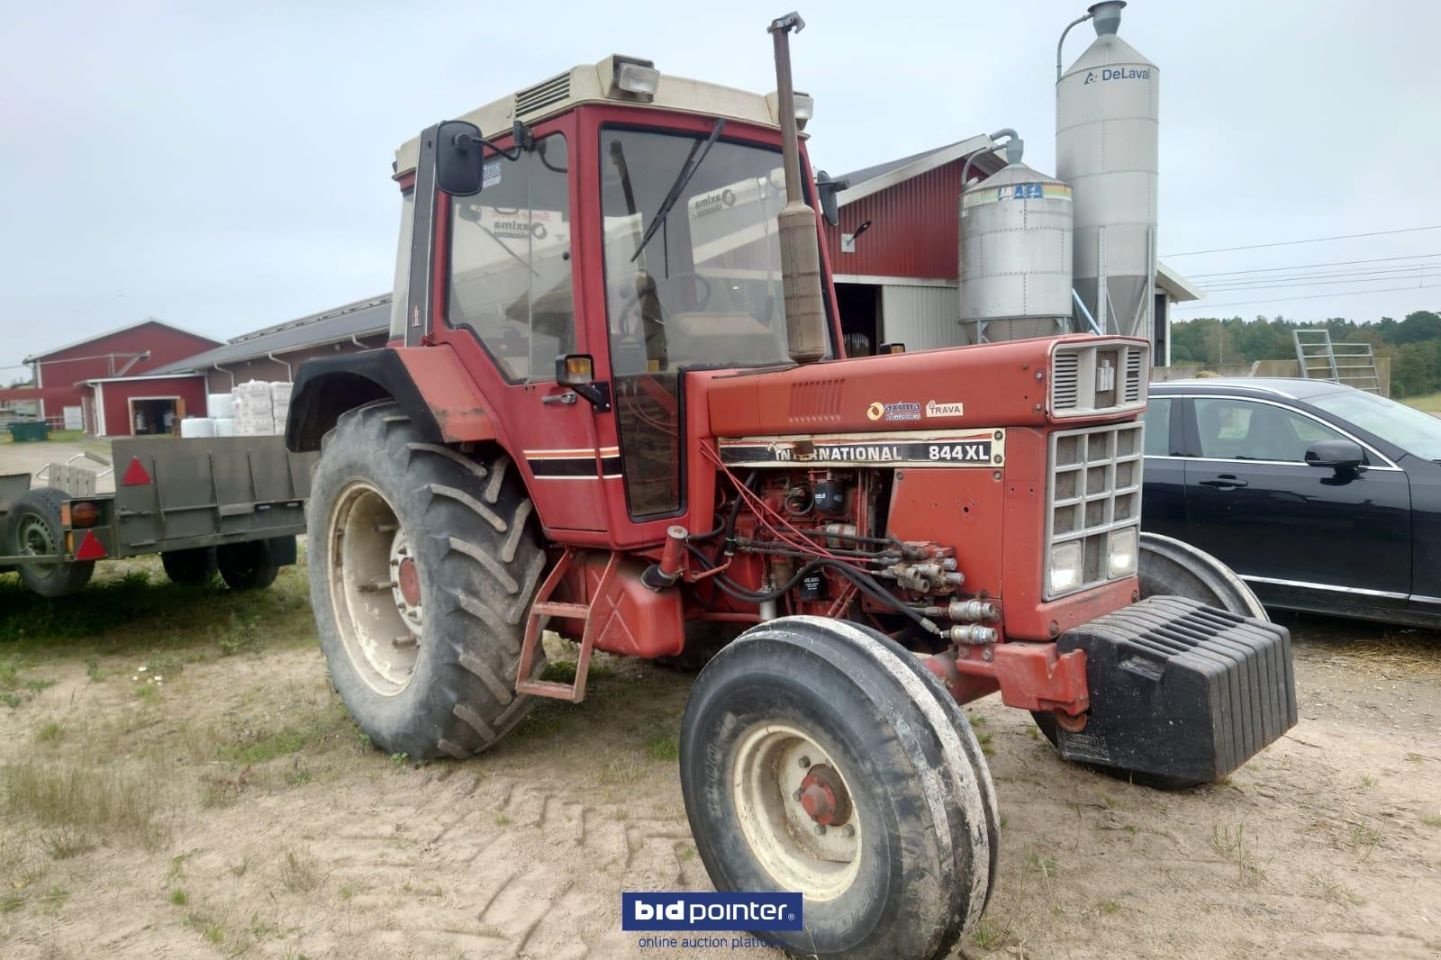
(156, 416)
(860, 305)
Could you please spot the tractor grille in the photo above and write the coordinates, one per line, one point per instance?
(1107, 376)
(1093, 493)
(543, 94)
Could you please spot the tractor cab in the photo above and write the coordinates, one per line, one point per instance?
(589, 238)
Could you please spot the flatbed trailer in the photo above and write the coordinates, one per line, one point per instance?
(232, 505)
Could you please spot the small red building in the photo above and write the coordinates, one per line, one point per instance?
(142, 406)
(61, 373)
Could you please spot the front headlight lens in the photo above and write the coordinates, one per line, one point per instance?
(1065, 572)
(1121, 558)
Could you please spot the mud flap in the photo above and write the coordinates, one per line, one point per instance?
(1180, 690)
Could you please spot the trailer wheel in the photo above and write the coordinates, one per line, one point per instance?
(191, 568)
(423, 564)
(1170, 567)
(816, 758)
(33, 526)
(246, 566)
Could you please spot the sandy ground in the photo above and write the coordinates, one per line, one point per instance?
(267, 828)
(33, 457)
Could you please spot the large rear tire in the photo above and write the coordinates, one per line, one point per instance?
(804, 723)
(32, 526)
(423, 564)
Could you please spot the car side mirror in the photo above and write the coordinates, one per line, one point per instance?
(1343, 456)
(827, 189)
(459, 158)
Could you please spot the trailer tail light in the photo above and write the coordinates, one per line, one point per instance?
(83, 514)
(136, 475)
(90, 547)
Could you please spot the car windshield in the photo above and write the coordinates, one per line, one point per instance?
(1408, 428)
(704, 289)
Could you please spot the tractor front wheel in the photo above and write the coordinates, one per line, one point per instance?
(423, 565)
(818, 757)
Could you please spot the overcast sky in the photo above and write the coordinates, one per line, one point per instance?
(227, 166)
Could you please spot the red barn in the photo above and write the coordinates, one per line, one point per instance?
(143, 406)
(896, 252)
(61, 373)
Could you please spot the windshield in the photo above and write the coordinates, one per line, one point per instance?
(705, 288)
(1413, 431)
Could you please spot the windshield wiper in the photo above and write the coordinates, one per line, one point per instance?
(692, 164)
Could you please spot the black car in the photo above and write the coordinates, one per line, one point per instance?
(1320, 496)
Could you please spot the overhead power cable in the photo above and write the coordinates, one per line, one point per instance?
(1328, 279)
(1308, 266)
(1203, 305)
(1291, 243)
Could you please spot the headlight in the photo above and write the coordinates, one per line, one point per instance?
(1121, 558)
(1065, 572)
(639, 78)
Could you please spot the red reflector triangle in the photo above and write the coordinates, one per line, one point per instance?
(135, 474)
(90, 547)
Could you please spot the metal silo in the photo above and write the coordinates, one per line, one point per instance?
(1106, 149)
(1015, 270)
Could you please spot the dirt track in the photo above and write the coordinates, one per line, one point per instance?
(275, 832)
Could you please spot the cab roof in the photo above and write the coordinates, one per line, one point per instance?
(592, 83)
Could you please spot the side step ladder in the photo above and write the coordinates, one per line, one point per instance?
(544, 608)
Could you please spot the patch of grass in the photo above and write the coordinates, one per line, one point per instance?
(1108, 907)
(93, 671)
(1363, 838)
(261, 746)
(65, 842)
(1368, 781)
(501, 820)
(206, 926)
(346, 891)
(179, 897)
(126, 805)
(985, 738)
(54, 898)
(300, 872)
(51, 731)
(12, 901)
(1045, 866)
(1429, 403)
(1431, 819)
(559, 671)
(986, 934)
(1336, 892)
(1231, 844)
(663, 746)
(147, 692)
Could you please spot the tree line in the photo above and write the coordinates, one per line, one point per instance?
(1413, 344)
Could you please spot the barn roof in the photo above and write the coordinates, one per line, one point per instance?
(874, 179)
(110, 333)
(362, 318)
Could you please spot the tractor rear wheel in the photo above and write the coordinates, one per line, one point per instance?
(423, 563)
(33, 526)
(193, 568)
(817, 757)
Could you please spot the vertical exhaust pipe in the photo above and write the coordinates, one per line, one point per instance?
(800, 250)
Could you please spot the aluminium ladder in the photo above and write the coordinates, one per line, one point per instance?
(1352, 364)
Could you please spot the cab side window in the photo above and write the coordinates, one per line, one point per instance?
(510, 261)
(1247, 430)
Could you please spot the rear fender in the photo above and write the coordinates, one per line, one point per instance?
(430, 385)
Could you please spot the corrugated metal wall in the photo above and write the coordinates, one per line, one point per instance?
(921, 317)
(913, 232)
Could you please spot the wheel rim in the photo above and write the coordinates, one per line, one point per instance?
(796, 812)
(34, 538)
(376, 589)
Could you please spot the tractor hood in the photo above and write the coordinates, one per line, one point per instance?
(1009, 384)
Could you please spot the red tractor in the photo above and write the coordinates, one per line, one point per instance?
(615, 406)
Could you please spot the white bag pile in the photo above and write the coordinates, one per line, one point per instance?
(254, 409)
(280, 402)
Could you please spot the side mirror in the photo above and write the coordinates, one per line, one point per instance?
(459, 158)
(577, 371)
(1340, 455)
(827, 189)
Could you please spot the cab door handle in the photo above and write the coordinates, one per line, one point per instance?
(1225, 481)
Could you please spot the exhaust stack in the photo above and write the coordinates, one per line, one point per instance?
(800, 250)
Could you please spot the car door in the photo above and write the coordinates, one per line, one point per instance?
(1163, 496)
(1303, 536)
